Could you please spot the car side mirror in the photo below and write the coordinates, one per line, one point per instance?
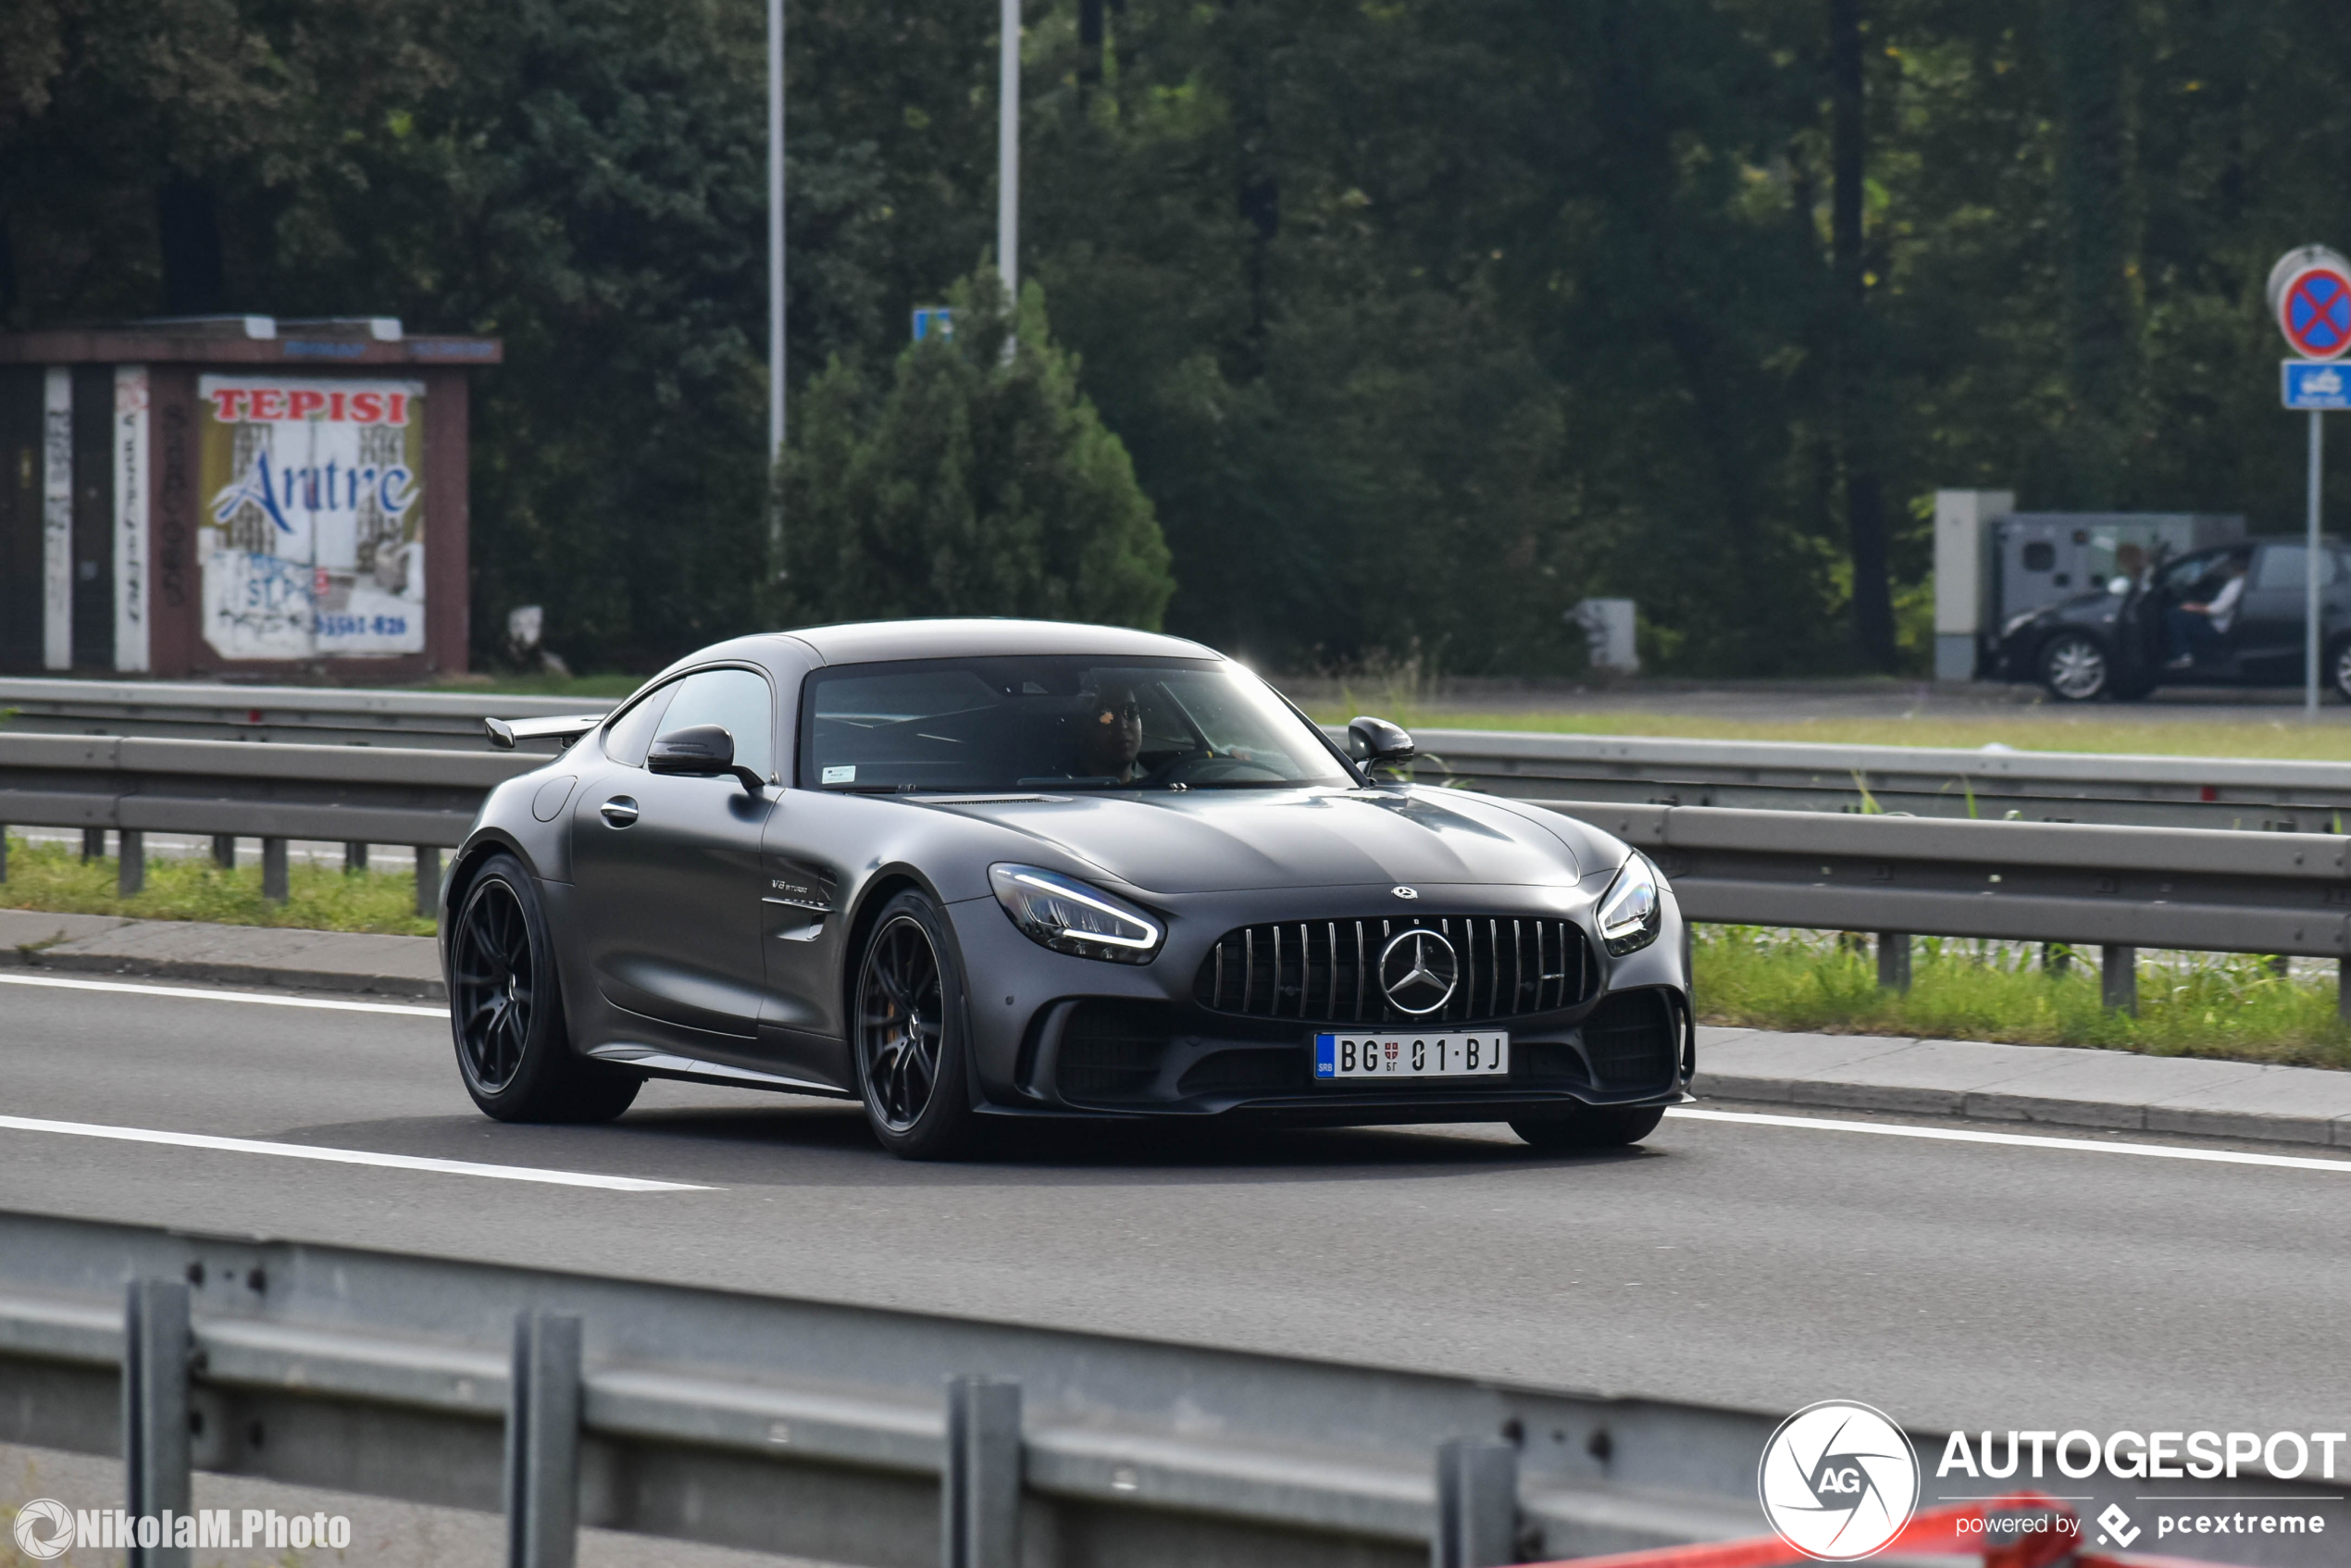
(700, 750)
(1374, 743)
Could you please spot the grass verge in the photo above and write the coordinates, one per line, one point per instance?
(323, 898)
(2227, 1005)
(2292, 739)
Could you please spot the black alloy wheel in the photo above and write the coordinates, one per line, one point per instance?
(2074, 668)
(1589, 1127)
(491, 985)
(506, 1014)
(910, 1033)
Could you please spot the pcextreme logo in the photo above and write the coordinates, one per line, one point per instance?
(1838, 1480)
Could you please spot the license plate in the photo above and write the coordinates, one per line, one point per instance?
(1412, 1056)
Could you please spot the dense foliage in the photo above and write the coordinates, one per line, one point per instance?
(978, 481)
(1420, 319)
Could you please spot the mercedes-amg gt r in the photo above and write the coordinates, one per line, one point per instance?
(975, 871)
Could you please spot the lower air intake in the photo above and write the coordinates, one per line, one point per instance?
(1632, 1042)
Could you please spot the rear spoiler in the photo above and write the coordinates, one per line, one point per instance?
(505, 732)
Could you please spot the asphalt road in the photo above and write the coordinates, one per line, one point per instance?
(1953, 1284)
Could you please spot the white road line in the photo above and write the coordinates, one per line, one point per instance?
(2014, 1140)
(258, 998)
(347, 1156)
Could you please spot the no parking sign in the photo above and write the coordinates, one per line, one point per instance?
(2310, 291)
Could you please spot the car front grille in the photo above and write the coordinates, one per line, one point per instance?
(1328, 970)
(1632, 1041)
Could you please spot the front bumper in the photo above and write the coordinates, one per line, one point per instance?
(1054, 1035)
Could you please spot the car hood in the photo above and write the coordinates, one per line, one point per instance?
(1210, 840)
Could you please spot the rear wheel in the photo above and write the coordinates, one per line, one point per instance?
(1589, 1126)
(506, 1012)
(911, 1068)
(2075, 668)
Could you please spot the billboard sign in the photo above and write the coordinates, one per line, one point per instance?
(311, 522)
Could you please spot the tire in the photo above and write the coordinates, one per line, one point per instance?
(506, 1011)
(910, 1035)
(1589, 1126)
(2338, 667)
(2075, 667)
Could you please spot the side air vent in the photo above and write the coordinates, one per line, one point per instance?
(1111, 1051)
(1632, 1042)
(1328, 971)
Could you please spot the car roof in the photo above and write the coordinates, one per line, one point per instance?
(877, 642)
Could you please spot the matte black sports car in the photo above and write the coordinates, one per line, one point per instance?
(971, 871)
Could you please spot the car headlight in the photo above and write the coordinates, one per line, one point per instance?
(1633, 910)
(1067, 916)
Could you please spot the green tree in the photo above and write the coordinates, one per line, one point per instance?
(977, 480)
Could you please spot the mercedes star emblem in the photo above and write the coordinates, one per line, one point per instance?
(1418, 971)
(1405, 893)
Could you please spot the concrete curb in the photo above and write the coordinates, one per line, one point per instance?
(275, 957)
(2041, 1084)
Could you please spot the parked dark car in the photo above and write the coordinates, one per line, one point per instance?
(996, 872)
(2112, 643)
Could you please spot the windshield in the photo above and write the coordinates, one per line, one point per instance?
(966, 726)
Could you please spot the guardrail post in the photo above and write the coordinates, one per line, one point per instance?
(155, 1417)
(428, 878)
(130, 871)
(2341, 988)
(543, 1442)
(2119, 979)
(354, 857)
(4, 852)
(1893, 961)
(1477, 1504)
(980, 1487)
(273, 870)
(94, 843)
(224, 851)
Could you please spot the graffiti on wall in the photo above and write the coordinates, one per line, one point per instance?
(311, 527)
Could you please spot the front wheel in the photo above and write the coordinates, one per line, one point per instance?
(506, 1012)
(2338, 667)
(1589, 1126)
(2075, 668)
(912, 1070)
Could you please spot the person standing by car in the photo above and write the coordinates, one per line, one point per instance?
(2192, 628)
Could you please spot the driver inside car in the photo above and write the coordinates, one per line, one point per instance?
(1110, 737)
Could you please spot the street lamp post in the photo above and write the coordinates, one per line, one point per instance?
(1008, 153)
(775, 265)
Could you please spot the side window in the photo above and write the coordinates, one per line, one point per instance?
(737, 701)
(2181, 576)
(630, 737)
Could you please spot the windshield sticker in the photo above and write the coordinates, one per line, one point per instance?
(840, 776)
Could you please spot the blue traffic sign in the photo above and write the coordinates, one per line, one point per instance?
(2317, 384)
(933, 318)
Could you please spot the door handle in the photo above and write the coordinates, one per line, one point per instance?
(620, 811)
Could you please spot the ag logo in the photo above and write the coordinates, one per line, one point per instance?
(45, 1528)
(1838, 1481)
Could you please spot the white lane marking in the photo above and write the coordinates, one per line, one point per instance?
(2015, 1140)
(347, 1156)
(259, 999)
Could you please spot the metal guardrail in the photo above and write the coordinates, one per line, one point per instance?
(295, 714)
(2152, 790)
(2119, 888)
(845, 1434)
(2305, 797)
(357, 795)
